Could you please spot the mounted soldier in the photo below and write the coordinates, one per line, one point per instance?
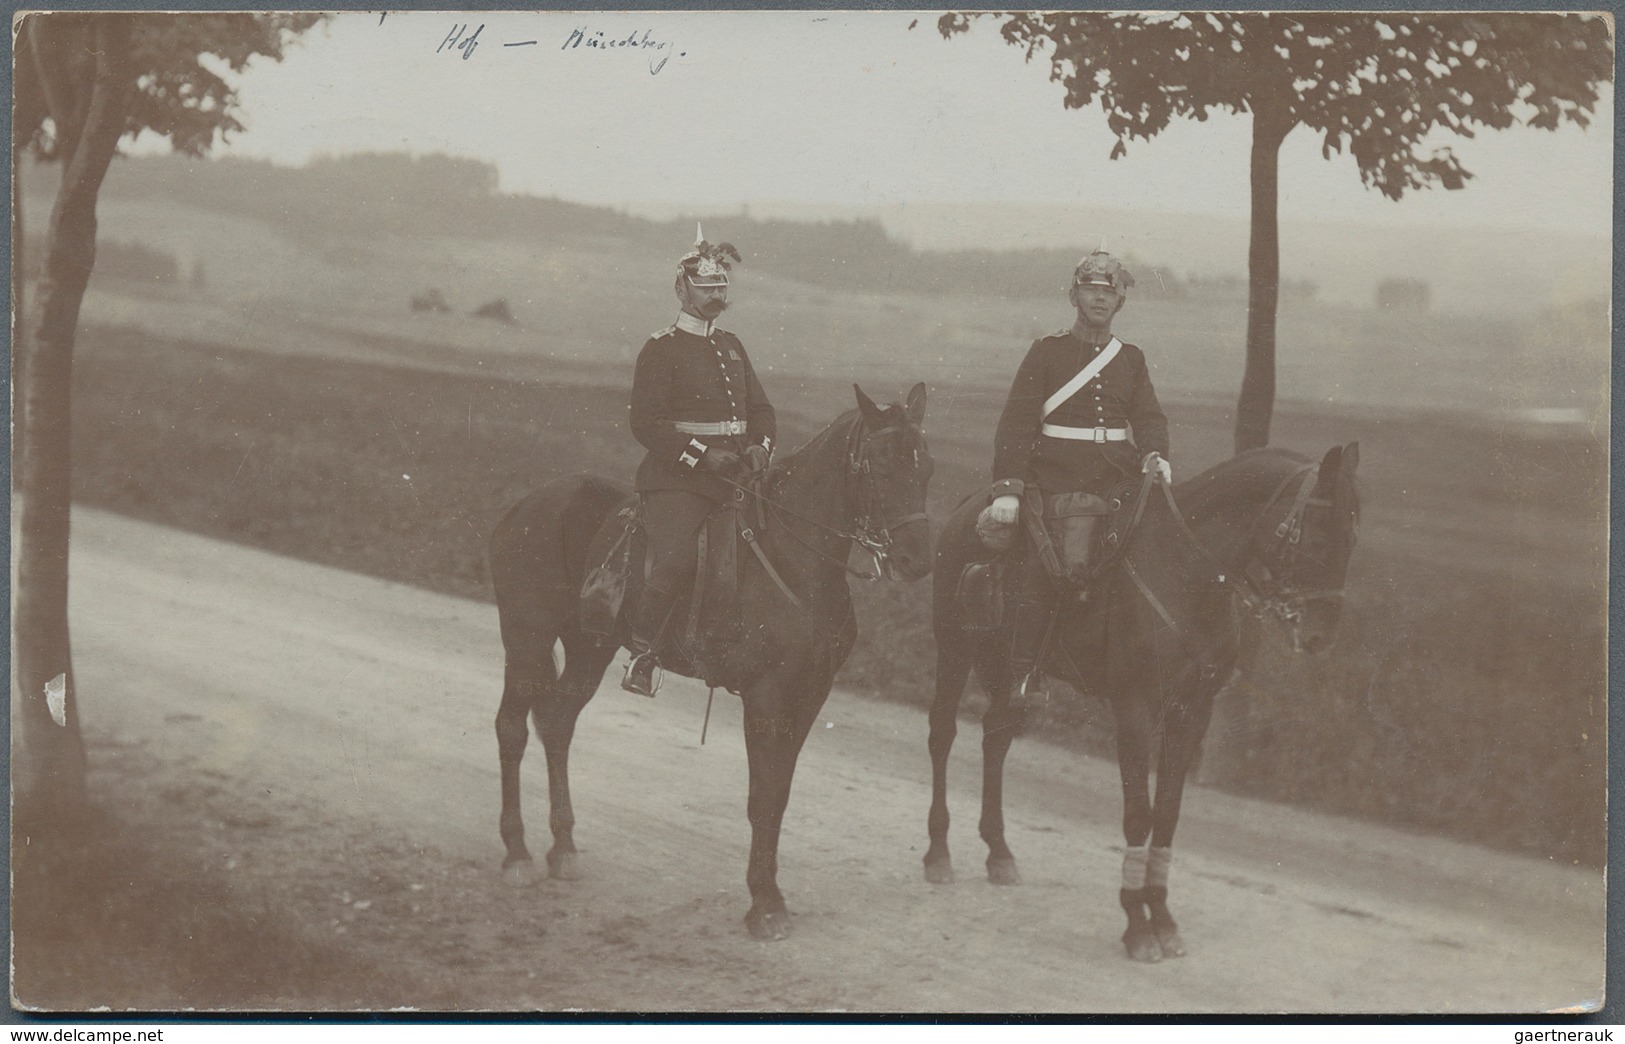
(699, 410)
(1081, 417)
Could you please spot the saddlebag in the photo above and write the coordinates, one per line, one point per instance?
(604, 588)
(981, 596)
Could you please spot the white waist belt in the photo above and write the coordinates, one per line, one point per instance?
(727, 427)
(1060, 431)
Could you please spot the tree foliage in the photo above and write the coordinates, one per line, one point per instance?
(1382, 87)
(181, 66)
(1376, 85)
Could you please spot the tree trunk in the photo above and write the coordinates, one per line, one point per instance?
(49, 774)
(1257, 402)
(19, 309)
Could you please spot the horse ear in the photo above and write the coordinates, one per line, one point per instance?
(1327, 474)
(1351, 458)
(915, 407)
(867, 405)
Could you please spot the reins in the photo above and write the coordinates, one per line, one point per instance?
(1284, 604)
(874, 539)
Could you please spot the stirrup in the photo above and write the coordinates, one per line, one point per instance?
(1030, 684)
(646, 685)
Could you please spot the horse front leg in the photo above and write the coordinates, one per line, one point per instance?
(556, 716)
(999, 725)
(953, 668)
(1181, 743)
(1134, 729)
(775, 729)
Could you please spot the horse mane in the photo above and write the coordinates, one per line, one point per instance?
(809, 448)
(1245, 479)
(841, 424)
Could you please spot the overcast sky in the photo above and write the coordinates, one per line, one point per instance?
(852, 109)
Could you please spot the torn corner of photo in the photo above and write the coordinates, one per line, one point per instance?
(56, 698)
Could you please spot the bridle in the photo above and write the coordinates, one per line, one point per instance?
(1269, 593)
(1265, 592)
(874, 537)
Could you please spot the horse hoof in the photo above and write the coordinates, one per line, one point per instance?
(521, 873)
(562, 866)
(1169, 942)
(768, 925)
(940, 872)
(1142, 946)
(1003, 872)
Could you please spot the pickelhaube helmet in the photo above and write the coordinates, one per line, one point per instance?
(1102, 269)
(707, 264)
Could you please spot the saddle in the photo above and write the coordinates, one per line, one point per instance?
(705, 617)
(1076, 536)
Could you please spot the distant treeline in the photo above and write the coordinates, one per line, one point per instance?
(114, 260)
(396, 193)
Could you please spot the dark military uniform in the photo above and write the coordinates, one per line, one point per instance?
(693, 391)
(1118, 398)
(692, 377)
(1088, 443)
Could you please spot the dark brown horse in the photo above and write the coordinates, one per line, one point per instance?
(862, 480)
(1157, 638)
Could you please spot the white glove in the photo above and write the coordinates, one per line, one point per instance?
(1004, 509)
(1155, 462)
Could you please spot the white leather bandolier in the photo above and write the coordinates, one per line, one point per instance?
(1071, 388)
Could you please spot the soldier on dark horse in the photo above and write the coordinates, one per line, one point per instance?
(1081, 417)
(1082, 562)
(744, 585)
(699, 410)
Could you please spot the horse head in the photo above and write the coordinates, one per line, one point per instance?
(1301, 548)
(890, 468)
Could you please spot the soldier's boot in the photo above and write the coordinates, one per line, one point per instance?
(1030, 629)
(643, 675)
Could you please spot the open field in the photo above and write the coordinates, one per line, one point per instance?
(581, 292)
(1465, 696)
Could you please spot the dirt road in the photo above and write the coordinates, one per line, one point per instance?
(340, 728)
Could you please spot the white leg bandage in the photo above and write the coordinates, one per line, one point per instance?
(1156, 871)
(1134, 864)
